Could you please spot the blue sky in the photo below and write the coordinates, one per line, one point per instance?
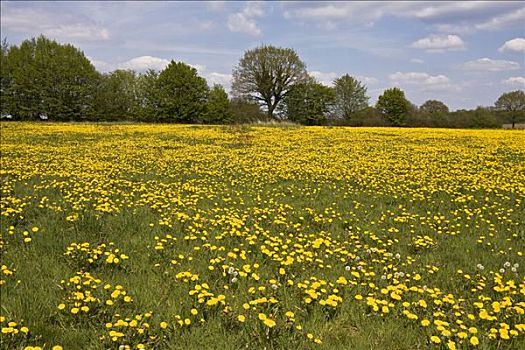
(463, 53)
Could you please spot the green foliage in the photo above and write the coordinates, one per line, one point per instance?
(393, 105)
(182, 94)
(309, 103)
(350, 96)
(246, 111)
(116, 97)
(5, 77)
(147, 96)
(266, 74)
(513, 104)
(44, 77)
(218, 107)
(483, 118)
(433, 107)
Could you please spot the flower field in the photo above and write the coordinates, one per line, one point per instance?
(191, 237)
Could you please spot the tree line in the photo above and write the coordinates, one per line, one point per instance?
(42, 79)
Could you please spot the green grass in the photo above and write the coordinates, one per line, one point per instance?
(221, 190)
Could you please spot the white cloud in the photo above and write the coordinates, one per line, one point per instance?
(327, 78)
(514, 81)
(417, 60)
(240, 23)
(100, 65)
(489, 24)
(212, 78)
(324, 78)
(447, 9)
(254, 9)
(367, 80)
(423, 81)
(199, 67)
(219, 78)
(62, 27)
(144, 63)
(439, 43)
(517, 44)
(244, 21)
(502, 21)
(457, 16)
(487, 64)
(77, 32)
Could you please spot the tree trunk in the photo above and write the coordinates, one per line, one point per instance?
(271, 108)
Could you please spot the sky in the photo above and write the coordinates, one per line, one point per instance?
(463, 53)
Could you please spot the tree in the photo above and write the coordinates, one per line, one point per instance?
(182, 93)
(434, 107)
(350, 96)
(148, 96)
(393, 105)
(50, 78)
(218, 107)
(309, 103)
(245, 111)
(5, 78)
(117, 96)
(266, 74)
(513, 104)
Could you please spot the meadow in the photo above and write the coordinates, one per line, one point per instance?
(118, 236)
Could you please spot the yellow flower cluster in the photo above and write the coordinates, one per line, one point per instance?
(85, 255)
(5, 272)
(422, 242)
(88, 294)
(130, 332)
(12, 328)
(274, 233)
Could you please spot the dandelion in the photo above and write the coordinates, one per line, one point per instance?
(474, 340)
(269, 323)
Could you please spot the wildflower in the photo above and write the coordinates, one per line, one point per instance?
(435, 339)
(269, 323)
(474, 340)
